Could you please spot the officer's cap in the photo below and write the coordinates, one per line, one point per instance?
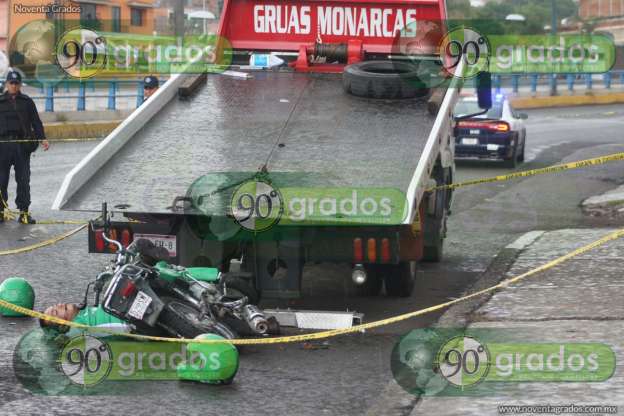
(14, 76)
(150, 82)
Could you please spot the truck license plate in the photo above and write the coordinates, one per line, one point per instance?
(159, 240)
(470, 142)
(140, 305)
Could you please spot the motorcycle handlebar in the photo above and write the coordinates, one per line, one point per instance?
(110, 240)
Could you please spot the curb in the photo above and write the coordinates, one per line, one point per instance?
(460, 315)
(393, 400)
(526, 103)
(80, 130)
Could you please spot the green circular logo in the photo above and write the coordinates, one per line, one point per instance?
(86, 360)
(413, 362)
(463, 361)
(465, 53)
(256, 205)
(81, 53)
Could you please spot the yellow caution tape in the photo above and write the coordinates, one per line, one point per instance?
(43, 243)
(85, 139)
(61, 222)
(332, 333)
(533, 172)
(362, 327)
(11, 214)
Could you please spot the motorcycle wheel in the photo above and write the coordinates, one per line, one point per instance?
(181, 320)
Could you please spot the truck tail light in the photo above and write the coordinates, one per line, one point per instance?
(126, 238)
(99, 241)
(385, 250)
(128, 290)
(371, 248)
(358, 252)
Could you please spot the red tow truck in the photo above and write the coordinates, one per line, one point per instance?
(358, 108)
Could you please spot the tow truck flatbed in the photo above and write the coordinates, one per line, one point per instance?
(286, 121)
(323, 127)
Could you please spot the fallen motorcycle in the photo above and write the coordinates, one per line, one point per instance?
(154, 296)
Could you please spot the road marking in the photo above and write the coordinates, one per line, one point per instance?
(525, 240)
(533, 152)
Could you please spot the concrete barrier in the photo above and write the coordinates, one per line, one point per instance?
(79, 130)
(106, 149)
(524, 103)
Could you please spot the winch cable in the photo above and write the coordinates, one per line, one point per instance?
(261, 174)
(264, 168)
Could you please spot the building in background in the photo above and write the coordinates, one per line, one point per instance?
(125, 16)
(604, 16)
(200, 16)
(4, 24)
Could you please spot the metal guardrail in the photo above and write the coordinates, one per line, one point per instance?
(50, 92)
(570, 81)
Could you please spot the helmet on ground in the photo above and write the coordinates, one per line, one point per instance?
(17, 291)
(209, 363)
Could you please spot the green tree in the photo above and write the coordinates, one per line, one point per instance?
(491, 17)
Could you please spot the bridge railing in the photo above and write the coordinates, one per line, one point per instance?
(116, 89)
(607, 81)
(80, 91)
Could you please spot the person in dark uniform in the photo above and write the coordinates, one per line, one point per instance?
(150, 86)
(19, 120)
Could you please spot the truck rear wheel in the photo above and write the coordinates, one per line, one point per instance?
(433, 252)
(400, 279)
(384, 79)
(434, 225)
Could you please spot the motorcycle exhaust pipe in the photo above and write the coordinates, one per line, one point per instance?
(255, 319)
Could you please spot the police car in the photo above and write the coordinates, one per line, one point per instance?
(499, 134)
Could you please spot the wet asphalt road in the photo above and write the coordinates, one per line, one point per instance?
(346, 377)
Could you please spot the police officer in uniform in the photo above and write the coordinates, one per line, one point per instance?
(19, 120)
(150, 86)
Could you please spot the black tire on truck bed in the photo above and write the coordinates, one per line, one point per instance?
(384, 79)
